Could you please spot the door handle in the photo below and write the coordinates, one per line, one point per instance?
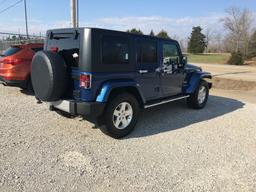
(143, 71)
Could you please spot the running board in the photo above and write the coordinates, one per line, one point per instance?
(165, 101)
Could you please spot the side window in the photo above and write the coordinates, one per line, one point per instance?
(10, 51)
(115, 50)
(170, 55)
(147, 52)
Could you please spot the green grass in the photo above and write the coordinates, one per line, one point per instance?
(208, 58)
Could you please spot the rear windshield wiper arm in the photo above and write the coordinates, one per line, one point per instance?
(58, 38)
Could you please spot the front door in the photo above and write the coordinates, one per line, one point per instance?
(147, 62)
(172, 76)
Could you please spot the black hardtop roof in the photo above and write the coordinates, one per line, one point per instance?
(110, 30)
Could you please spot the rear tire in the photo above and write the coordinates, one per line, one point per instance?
(121, 116)
(199, 98)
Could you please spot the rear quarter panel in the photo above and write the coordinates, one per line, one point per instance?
(19, 71)
(103, 84)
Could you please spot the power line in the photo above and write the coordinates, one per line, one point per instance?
(11, 6)
(18, 34)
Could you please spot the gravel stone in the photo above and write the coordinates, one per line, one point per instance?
(173, 148)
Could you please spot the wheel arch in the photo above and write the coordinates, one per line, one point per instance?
(194, 80)
(111, 89)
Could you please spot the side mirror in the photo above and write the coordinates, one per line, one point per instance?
(184, 60)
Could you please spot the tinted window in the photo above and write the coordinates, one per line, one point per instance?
(10, 51)
(147, 52)
(115, 50)
(62, 35)
(71, 56)
(170, 54)
(37, 49)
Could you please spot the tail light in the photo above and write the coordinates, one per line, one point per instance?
(85, 81)
(12, 61)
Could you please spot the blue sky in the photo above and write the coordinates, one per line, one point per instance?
(175, 16)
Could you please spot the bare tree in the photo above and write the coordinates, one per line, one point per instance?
(238, 23)
(175, 37)
(218, 39)
(183, 45)
(182, 41)
(208, 37)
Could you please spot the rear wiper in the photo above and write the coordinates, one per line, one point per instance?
(58, 38)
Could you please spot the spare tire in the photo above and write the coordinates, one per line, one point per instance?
(49, 76)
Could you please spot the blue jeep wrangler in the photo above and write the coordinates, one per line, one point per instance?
(108, 76)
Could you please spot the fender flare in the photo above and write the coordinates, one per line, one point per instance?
(109, 86)
(194, 80)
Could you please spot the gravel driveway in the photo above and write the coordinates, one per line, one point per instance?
(172, 149)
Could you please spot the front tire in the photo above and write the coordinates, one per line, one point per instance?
(121, 115)
(199, 98)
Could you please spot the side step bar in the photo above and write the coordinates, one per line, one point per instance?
(165, 101)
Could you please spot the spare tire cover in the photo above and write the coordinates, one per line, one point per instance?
(49, 76)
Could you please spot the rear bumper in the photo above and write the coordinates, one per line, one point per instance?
(18, 72)
(15, 83)
(91, 109)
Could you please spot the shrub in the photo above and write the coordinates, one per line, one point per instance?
(236, 59)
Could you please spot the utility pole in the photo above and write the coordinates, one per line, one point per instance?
(73, 13)
(26, 17)
(77, 13)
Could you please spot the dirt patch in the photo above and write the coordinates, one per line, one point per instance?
(233, 84)
(251, 62)
(77, 160)
(232, 77)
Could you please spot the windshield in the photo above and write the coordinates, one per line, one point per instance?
(10, 51)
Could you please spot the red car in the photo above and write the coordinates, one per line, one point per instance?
(15, 65)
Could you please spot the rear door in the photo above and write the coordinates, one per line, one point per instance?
(147, 62)
(172, 76)
(67, 43)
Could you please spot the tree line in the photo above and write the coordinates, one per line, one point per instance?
(161, 34)
(239, 37)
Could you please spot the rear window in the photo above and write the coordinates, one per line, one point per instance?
(115, 50)
(63, 35)
(71, 56)
(10, 51)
